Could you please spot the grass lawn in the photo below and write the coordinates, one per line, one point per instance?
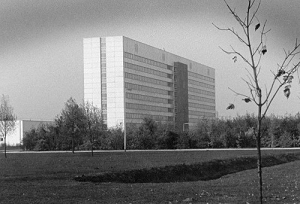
(48, 178)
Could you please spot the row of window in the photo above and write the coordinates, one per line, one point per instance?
(146, 89)
(147, 79)
(197, 120)
(199, 98)
(201, 106)
(103, 42)
(103, 77)
(200, 76)
(154, 117)
(147, 98)
(147, 70)
(197, 83)
(103, 66)
(200, 91)
(201, 113)
(147, 107)
(145, 60)
(103, 60)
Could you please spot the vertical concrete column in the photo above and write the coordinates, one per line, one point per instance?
(181, 95)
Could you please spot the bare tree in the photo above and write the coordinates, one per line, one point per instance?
(7, 119)
(252, 36)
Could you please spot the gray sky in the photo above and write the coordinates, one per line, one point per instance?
(41, 54)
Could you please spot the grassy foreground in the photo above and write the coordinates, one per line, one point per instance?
(193, 172)
(48, 178)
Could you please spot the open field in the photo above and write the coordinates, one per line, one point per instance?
(48, 178)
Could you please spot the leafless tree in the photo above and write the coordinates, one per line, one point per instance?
(7, 119)
(252, 36)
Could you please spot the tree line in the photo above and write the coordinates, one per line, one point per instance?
(81, 127)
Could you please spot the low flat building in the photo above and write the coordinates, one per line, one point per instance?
(15, 137)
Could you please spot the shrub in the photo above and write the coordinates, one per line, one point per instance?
(41, 145)
(30, 139)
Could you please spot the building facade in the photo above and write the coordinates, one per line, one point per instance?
(129, 80)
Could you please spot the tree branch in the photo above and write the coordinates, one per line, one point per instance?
(238, 94)
(232, 31)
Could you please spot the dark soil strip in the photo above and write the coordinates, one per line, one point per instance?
(192, 172)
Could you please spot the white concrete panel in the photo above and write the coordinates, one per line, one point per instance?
(119, 114)
(110, 85)
(118, 48)
(119, 107)
(111, 106)
(111, 94)
(88, 79)
(90, 96)
(88, 91)
(110, 79)
(111, 100)
(97, 79)
(85, 71)
(87, 66)
(95, 40)
(118, 63)
(119, 55)
(88, 86)
(119, 82)
(97, 93)
(109, 44)
(96, 45)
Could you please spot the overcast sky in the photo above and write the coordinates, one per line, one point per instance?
(41, 52)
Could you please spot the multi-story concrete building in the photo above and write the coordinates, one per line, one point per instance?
(129, 80)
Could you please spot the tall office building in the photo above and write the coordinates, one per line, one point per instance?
(129, 80)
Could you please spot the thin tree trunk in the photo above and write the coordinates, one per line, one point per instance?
(5, 146)
(259, 160)
(73, 144)
(259, 170)
(92, 145)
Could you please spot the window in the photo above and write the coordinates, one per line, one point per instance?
(144, 60)
(199, 76)
(200, 91)
(201, 113)
(146, 79)
(197, 83)
(145, 88)
(201, 106)
(199, 98)
(1, 139)
(136, 106)
(146, 98)
(154, 117)
(146, 70)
